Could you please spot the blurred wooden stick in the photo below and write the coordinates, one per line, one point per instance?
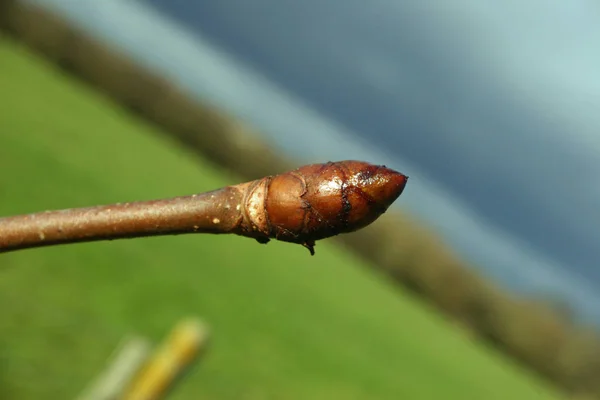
(128, 359)
(183, 345)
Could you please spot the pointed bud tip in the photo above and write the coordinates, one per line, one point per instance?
(387, 186)
(397, 181)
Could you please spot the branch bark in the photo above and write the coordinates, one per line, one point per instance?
(186, 214)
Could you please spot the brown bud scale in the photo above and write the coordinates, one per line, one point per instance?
(318, 201)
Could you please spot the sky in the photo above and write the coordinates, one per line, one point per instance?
(490, 111)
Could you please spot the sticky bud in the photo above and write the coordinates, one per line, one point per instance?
(318, 201)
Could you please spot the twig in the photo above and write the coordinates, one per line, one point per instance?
(196, 213)
(310, 203)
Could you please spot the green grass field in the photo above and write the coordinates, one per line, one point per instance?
(285, 325)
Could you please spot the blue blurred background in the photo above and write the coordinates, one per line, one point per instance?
(490, 108)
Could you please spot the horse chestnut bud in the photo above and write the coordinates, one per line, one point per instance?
(318, 201)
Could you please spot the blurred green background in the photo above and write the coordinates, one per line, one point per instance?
(285, 325)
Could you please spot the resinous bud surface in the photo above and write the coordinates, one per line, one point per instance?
(322, 200)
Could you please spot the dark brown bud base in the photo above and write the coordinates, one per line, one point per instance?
(318, 201)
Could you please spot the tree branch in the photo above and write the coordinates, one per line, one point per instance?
(310, 203)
